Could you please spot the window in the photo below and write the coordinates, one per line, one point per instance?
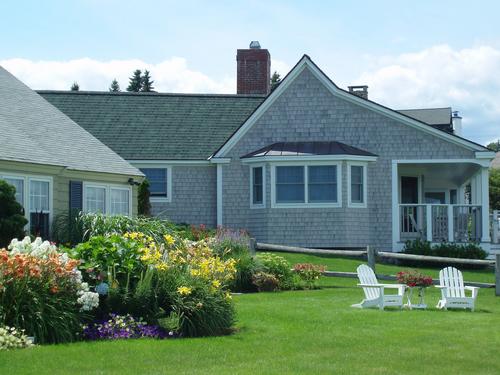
(158, 181)
(119, 201)
(18, 183)
(106, 199)
(314, 184)
(39, 196)
(290, 186)
(95, 199)
(357, 185)
(322, 183)
(257, 187)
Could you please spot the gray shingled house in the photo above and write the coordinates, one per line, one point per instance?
(306, 164)
(55, 164)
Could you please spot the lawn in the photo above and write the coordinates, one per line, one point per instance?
(301, 332)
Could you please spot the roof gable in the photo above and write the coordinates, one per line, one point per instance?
(306, 63)
(37, 132)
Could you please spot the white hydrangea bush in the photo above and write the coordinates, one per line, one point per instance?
(12, 338)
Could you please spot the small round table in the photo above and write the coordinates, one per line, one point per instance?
(421, 304)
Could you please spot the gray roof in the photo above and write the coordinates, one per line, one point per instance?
(34, 131)
(308, 149)
(436, 117)
(157, 126)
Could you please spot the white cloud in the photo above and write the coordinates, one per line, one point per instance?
(171, 75)
(466, 79)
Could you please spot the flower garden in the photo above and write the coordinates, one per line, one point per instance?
(134, 278)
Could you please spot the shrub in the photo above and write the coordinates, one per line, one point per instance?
(12, 338)
(67, 229)
(121, 327)
(279, 268)
(12, 220)
(309, 274)
(42, 292)
(447, 250)
(246, 267)
(266, 282)
(143, 202)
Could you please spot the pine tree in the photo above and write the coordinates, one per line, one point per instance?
(115, 87)
(147, 83)
(135, 83)
(275, 80)
(75, 86)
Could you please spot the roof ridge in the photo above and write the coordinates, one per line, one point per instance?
(422, 109)
(127, 93)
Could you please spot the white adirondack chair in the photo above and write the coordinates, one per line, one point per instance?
(453, 290)
(375, 293)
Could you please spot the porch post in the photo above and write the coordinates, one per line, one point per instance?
(485, 205)
(428, 218)
(395, 206)
(450, 224)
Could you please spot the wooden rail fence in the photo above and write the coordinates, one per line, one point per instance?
(371, 256)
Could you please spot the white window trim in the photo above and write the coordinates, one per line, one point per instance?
(351, 204)
(26, 193)
(161, 165)
(107, 198)
(337, 204)
(263, 204)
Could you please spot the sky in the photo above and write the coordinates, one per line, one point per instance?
(411, 54)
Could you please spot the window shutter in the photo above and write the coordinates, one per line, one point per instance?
(75, 196)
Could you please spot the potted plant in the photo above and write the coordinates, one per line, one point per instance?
(415, 279)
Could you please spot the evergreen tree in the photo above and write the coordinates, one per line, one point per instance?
(147, 83)
(75, 86)
(275, 80)
(115, 87)
(144, 206)
(135, 83)
(494, 146)
(12, 220)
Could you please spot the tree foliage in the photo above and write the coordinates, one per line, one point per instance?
(147, 82)
(75, 86)
(275, 80)
(12, 220)
(494, 146)
(495, 189)
(135, 82)
(144, 206)
(115, 86)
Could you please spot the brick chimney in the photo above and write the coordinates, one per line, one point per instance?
(361, 91)
(254, 70)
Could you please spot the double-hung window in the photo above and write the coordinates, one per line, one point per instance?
(95, 199)
(257, 187)
(34, 193)
(357, 185)
(106, 199)
(308, 185)
(159, 182)
(290, 184)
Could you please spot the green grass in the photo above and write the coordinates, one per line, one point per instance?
(301, 332)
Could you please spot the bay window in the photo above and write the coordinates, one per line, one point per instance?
(312, 184)
(356, 184)
(257, 183)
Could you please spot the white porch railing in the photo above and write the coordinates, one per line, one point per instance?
(440, 222)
